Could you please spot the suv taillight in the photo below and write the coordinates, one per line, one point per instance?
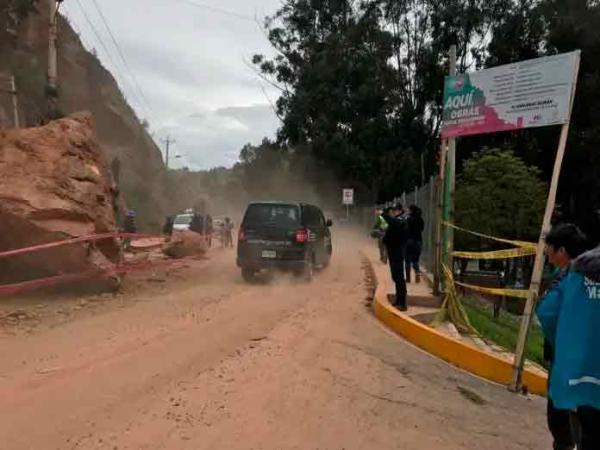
(241, 235)
(302, 236)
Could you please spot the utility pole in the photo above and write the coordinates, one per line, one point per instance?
(422, 168)
(12, 90)
(15, 101)
(52, 87)
(168, 141)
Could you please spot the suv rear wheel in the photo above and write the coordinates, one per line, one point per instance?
(248, 275)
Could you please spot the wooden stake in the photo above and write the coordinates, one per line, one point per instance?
(538, 266)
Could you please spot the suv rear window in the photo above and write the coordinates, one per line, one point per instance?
(272, 215)
(183, 219)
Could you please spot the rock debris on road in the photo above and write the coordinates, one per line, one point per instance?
(204, 361)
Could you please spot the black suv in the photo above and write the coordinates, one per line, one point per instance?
(282, 235)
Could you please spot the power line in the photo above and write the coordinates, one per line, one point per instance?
(217, 10)
(103, 45)
(118, 47)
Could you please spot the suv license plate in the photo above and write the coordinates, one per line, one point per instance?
(269, 254)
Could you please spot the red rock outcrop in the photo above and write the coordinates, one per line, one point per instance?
(54, 184)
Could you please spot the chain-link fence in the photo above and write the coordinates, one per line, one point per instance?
(424, 198)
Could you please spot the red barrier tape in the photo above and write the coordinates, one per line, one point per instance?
(77, 240)
(17, 288)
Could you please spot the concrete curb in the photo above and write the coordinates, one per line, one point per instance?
(451, 350)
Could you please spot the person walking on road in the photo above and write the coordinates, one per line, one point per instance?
(395, 242)
(414, 242)
(168, 226)
(227, 229)
(564, 243)
(569, 314)
(129, 227)
(209, 230)
(378, 233)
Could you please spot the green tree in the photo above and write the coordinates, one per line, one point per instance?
(333, 66)
(531, 28)
(499, 195)
(361, 81)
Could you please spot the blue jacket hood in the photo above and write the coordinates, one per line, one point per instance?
(570, 316)
(588, 264)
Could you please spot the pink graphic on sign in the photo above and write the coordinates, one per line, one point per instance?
(489, 122)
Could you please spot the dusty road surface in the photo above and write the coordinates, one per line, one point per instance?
(200, 360)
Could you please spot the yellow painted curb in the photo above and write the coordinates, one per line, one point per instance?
(451, 350)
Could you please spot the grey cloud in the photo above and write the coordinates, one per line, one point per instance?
(191, 65)
(214, 138)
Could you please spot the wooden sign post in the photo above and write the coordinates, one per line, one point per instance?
(538, 267)
(526, 94)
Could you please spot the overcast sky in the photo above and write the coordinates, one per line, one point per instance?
(191, 63)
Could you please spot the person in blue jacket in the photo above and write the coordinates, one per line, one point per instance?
(564, 243)
(570, 317)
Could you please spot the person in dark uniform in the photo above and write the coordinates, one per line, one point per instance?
(414, 242)
(168, 226)
(197, 225)
(395, 242)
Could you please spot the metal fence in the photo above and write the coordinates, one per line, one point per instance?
(424, 197)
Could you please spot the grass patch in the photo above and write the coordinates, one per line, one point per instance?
(504, 331)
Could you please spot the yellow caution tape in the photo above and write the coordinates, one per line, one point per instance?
(521, 244)
(452, 308)
(497, 254)
(518, 293)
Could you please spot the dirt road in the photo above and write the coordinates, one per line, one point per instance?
(204, 361)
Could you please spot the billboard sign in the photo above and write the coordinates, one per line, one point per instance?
(526, 94)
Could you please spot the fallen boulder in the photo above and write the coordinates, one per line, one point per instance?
(55, 184)
(185, 243)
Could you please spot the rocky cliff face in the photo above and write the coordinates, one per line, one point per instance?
(84, 86)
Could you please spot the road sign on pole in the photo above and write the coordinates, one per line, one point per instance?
(348, 197)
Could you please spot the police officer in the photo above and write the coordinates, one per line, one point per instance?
(395, 242)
